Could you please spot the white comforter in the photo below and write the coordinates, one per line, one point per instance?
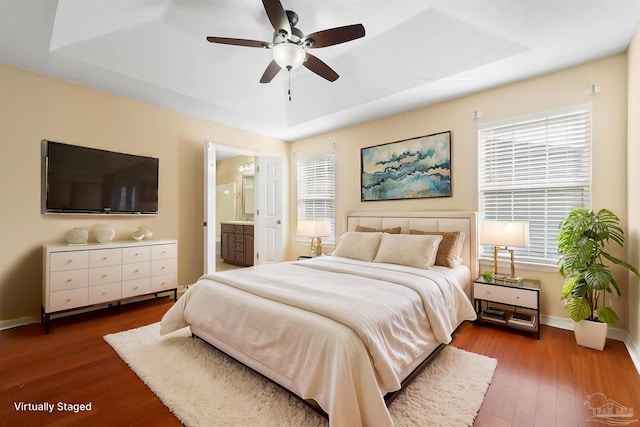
(362, 326)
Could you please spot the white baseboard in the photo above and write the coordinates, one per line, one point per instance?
(613, 333)
(21, 321)
(30, 320)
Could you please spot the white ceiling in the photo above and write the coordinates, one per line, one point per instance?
(415, 53)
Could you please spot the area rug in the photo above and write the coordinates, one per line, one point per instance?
(202, 386)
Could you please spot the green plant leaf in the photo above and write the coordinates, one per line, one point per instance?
(597, 276)
(568, 287)
(578, 309)
(622, 263)
(607, 315)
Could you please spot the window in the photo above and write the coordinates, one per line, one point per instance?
(535, 169)
(317, 191)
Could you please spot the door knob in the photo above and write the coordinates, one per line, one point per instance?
(278, 222)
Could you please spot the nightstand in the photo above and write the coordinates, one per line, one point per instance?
(515, 306)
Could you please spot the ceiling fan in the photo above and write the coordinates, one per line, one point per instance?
(290, 44)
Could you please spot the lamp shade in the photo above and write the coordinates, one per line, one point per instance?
(314, 228)
(503, 233)
(288, 55)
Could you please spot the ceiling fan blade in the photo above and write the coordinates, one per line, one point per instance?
(272, 69)
(320, 68)
(336, 35)
(277, 15)
(240, 42)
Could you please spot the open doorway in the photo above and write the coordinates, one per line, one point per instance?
(253, 195)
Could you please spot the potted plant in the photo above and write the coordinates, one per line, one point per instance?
(581, 244)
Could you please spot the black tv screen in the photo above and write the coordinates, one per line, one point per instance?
(88, 180)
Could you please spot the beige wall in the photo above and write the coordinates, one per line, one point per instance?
(633, 179)
(34, 107)
(552, 91)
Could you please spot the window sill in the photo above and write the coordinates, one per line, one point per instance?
(504, 265)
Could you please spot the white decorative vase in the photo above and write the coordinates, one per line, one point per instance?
(77, 236)
(590, 334)
(146, 232)
(104, 233)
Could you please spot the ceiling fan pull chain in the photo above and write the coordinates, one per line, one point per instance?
(289, 91)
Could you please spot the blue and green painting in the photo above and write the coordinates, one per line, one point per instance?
(410, 169)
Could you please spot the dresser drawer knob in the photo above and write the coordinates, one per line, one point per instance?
(69, 280)
(104, 276)
(105, 258)
(136, 288)
(68, 300)
(136, 271)
(104, 293)
(69, 261)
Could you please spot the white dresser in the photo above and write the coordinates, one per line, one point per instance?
(75, 277)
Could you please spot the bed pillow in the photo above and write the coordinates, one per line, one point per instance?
(406, 249)
(450, 247)
(393, 230)
(356, 245)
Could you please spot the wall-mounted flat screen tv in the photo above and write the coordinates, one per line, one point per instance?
(82, 180)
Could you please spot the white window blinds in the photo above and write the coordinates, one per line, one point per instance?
(317, 191)
(535, 169)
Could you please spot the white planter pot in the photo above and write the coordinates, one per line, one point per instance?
(590, 334)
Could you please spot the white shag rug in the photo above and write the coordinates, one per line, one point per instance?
(202, 386)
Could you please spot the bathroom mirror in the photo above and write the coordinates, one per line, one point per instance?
(247, 195)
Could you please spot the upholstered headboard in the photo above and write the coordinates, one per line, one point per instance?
(426, 221)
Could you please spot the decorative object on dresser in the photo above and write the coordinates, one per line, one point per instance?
(142, 232)
(104, 233)
(76, 277)
(514, 305)
(236, 242)
(503, 234)
(77, 236)
(583, 237)
(315, 229)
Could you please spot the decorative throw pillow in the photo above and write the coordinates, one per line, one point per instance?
(393, 230)
(450, 247)
(355, 245)
(407, 249)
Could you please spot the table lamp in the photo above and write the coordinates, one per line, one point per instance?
(503, 234)
(314, 229)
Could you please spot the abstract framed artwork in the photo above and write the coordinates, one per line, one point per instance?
(413, 168)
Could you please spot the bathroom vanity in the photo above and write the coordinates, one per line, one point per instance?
(236, 242)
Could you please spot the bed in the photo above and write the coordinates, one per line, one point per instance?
(347, 330)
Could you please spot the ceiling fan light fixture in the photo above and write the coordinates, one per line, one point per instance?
(288, 55)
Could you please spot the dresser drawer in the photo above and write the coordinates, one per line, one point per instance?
(104, 275)
(105, 257)
(131, 288)
(136, 254)
(72, 279)
(506, 295)
(104, 293)
(164, 283)
(61, 261)
(65, 300)
(164, 252)
(165, 266)
(138, 270)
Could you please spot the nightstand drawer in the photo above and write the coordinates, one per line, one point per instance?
(506, 295)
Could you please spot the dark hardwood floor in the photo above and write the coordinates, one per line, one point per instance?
(537, 383)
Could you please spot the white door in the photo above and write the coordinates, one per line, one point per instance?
(209, 208)
(269, 226)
